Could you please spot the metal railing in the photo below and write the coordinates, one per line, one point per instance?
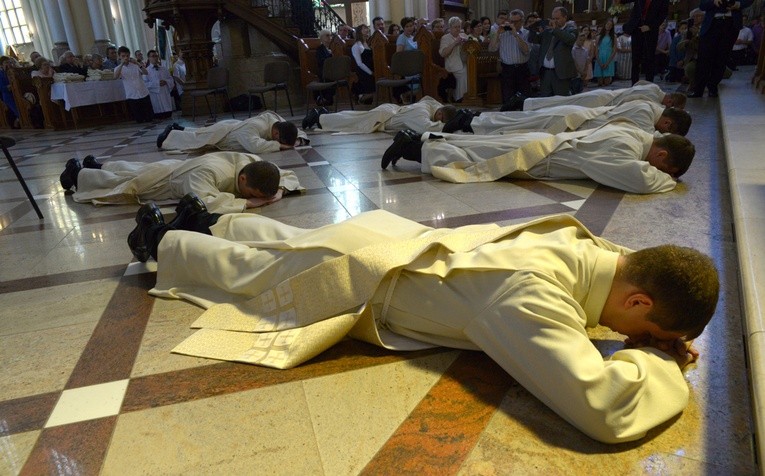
(309, 16)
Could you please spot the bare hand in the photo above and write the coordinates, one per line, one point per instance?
(645, 28)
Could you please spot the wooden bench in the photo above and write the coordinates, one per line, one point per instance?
(21, 83)
(434, 71)
(484, 86)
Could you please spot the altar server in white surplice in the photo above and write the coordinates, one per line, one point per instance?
(221, 179)
(641, 91)
(617, 155)
(425, 115)
(646, 116)
(160, 83)
(277, 295)
(266, 132)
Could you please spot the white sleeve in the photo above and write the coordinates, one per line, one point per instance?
(628, 174)
(356, 52)
(202, 181)
(535, 332)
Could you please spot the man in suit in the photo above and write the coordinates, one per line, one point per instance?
(718, 33)
(643, 27)
(558, 66)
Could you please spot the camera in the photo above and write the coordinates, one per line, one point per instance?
(507, 28)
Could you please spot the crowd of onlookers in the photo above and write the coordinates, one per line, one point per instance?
(153, 90)
(600, 53)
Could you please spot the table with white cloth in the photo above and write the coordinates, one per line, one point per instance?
(88, 93)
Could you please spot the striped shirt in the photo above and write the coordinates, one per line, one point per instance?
(509, 51)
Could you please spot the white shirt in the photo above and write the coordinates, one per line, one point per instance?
(132, 80)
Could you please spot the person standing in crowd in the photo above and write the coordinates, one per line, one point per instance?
(624, 56)
(675, 58)
(486, 23)
(364, 88)
(663, 42)
(606, 53)
(718, 33)
(558, 66)
(741, 48)
(589, 45)
(437, 25)
(378, 23)
(179, 77)
(476, 31)
(581, 58)
(112, 60)
(138, 55)
(643, 27)
(160, 83)
(454, 61)
(136, 92)
(512, 40)
(394, 29)
(5, 91)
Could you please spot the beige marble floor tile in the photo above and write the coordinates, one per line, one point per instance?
(83, 256)
(168, 325)
(264, 431)
(40, 361)
(54, 307)
(354, 413)
(14, 450)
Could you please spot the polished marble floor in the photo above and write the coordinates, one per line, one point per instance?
(89, 384)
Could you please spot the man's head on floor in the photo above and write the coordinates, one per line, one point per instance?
(672, 154)
(677, 100)
(675, 121)
(445, 113)
(285, 133)
(259, 180)
(663, 293)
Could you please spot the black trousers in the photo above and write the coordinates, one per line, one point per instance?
(715, 46)
(199, 222)
(514, 78)
(141, 109)
(644, 54)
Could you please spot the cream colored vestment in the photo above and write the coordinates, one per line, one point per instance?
(250, 135)
(525, 294)
(212, 176)
(612, 155)
(641, 91)
(385, 117)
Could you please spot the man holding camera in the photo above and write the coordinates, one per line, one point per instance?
(512, 41)
(558, 67)
(718, 33)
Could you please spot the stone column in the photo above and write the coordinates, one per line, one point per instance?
(68, 22)
(100, 28)
(57, 31)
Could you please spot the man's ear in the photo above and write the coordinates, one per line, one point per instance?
(638, 300)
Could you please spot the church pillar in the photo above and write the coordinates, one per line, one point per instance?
(68, 22)
(57, 31)
(100, 29)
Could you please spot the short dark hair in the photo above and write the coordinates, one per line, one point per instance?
(288, 132)
(562, 11)
(448, 113)
(123, 49)
(109, 48)
(680, 152)
(406, 20)
(681, 120)
(682, 282)
(678, 100)
(377, 18)
(263, 176)
(502, 12)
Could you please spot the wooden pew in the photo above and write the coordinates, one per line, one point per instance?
(434, 70)
(4, 124)
(21, 83)
(383, 46)
(483, 76)
(56, 117)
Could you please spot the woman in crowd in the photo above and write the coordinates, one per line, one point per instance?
(661, 57)
(624, 56)
(44, 68)
(589, 45)
(326, 97)
(394, 29)
(486, 23)
(476, 31)
(405, 40)
(362, 55)
(606, 51)
(454, 62)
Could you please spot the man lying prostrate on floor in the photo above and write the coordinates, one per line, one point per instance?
(277, 295)
(617, 155)
(228, 181)
(266, 132)
(646, 116)
(641, 91)
(425, 115)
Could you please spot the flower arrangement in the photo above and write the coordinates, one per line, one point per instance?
(617, 8)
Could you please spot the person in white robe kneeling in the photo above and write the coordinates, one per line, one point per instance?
(277, 295)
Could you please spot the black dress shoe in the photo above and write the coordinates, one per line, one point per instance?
(163, 136)
(138, 240)
(466, 118)
(396, 150)
(311, 119)
(68, 177)
(90, 162)
(189, 206)
(177, 127)
(455, 124)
